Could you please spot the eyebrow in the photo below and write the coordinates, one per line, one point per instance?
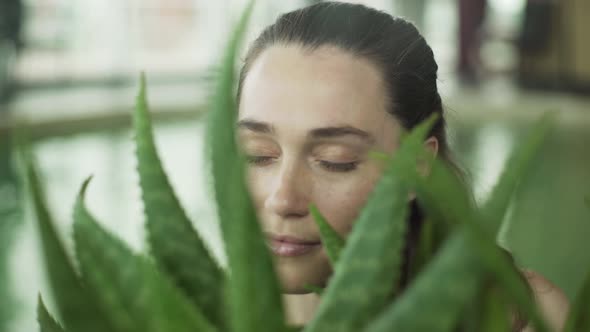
(324, 132)
(329, 132)
(256, 126)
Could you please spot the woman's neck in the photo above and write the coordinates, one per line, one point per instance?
(300, 308)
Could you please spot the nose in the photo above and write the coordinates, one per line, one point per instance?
(289, 196)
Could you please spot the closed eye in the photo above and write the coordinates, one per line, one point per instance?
(339, 167)
(259, 160)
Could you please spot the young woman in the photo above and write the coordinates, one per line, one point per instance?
(319, 89)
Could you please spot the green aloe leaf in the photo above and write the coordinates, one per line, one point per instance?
(426, 246)
(444, 195)
(74, 302)
(438, 294)
(254, 292)
(332, 241)
(369, 266)
(517, 166)
(457, 267)
(493, 213)
(221, 137)
(490, 311)
(175, 245)
(293, 328)
(496, 312)
(128, 286)
(579, 315)
(508, 277)
(46, 322)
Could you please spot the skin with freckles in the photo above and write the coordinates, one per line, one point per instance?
(307, 122)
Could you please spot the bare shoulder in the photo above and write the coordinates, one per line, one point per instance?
(550, 298)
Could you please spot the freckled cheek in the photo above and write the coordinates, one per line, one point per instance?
(258, 184)
(342, 204)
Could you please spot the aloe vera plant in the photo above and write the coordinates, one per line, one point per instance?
(47, 323)
(10, 216)
(331, 240)
(182, 288)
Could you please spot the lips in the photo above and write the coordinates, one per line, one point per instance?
(290, 246)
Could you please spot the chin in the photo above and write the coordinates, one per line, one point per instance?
(298, 287)
(296, 276)
(293, 282)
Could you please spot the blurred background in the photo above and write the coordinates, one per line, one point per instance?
(69, 69)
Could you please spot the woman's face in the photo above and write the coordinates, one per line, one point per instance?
(307, 122)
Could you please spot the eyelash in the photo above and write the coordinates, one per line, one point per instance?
(339, 167)
(257, 160)
(329, 166)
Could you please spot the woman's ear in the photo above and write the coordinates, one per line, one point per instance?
(431, 146)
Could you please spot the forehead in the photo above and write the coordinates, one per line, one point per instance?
(296, 89)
